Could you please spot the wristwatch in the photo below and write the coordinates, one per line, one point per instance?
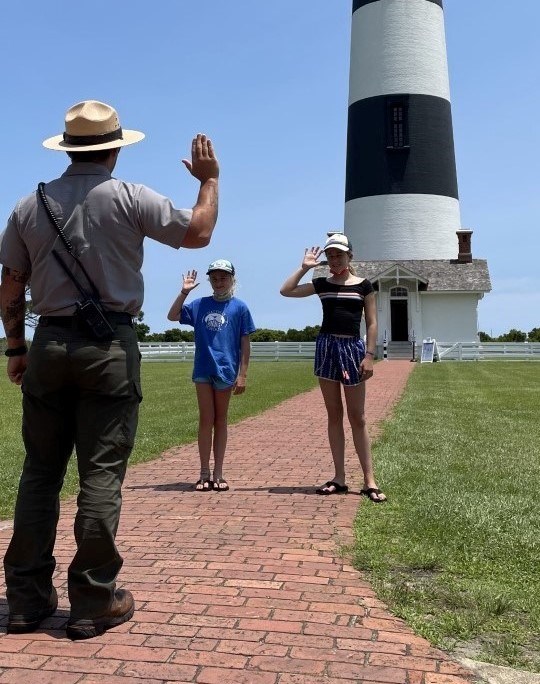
(17, 351)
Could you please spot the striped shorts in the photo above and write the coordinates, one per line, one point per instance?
(339, 358)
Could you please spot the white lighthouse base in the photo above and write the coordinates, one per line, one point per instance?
(403, 226)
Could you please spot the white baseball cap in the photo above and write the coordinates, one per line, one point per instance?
(338, 241)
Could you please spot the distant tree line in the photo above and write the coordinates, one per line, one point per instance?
(308, 334)
(512, 335)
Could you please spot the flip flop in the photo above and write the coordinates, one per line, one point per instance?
(220, 485)
(338, 489)
(371, 491)
(204, 485)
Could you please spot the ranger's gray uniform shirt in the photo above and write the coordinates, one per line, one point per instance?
(106, 220)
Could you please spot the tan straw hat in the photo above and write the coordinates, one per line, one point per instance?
(92, 125)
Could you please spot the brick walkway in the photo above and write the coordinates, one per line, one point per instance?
(244, 587)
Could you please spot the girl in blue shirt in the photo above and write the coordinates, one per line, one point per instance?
(222, 325)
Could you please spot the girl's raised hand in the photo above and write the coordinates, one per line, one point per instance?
(189, 281)
(311, 257)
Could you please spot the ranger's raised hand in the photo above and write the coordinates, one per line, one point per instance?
(203, 164)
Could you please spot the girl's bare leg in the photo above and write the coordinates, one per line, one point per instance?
(205, 399)
(355, 399)
(221, 408)
(331, 392)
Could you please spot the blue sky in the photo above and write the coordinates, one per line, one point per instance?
(268, 81)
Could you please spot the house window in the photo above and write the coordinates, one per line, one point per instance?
(397, 124)
(399, 292)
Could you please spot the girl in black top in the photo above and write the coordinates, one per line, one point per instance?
(341, 356)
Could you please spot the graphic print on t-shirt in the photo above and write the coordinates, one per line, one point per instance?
(215, 320)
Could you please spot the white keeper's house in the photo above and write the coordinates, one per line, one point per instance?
(401, 198)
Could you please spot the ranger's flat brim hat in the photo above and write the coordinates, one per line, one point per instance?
(92, 125)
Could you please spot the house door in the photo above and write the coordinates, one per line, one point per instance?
(399, 320)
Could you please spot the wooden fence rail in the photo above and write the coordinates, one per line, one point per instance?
(290, 351)
(268, 351)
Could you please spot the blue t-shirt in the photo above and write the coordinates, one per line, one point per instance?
(219, 327)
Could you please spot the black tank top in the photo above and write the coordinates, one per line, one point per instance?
(342, 305)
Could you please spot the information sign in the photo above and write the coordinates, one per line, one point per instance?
(428, 349)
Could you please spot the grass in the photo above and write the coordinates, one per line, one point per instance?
(456, 550)
(168, 417)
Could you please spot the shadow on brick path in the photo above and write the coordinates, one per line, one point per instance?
(240, 587)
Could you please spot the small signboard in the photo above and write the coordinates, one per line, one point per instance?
(428, 350)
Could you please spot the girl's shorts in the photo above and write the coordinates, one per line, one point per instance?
(216, 382)
(339, 358)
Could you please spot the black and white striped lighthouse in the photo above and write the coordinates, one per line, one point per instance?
(401, 188)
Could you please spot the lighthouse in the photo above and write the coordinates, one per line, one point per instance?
(402, 210)
(401, 198)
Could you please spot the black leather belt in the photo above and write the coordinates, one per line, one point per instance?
(114, 318)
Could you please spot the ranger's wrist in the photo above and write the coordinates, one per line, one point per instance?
(17, 351)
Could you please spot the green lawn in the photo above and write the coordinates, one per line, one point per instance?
(456, 550)
(169, 414)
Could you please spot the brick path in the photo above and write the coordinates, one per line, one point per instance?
(244, 587)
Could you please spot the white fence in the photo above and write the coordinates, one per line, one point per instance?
(290, 351)
(268, 351)
(481, 351)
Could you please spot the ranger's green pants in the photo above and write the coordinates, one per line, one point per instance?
(79, 394)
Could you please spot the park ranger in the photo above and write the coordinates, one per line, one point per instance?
(78, 242)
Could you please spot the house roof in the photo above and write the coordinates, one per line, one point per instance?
(434, 275)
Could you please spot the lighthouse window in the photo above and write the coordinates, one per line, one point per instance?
(397, 126)
(397, 129)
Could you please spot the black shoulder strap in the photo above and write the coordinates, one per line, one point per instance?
(54, 220)
(68, 245)
(69, 273)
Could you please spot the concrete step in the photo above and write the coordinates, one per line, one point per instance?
(400, 350)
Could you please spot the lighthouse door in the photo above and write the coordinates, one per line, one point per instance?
(399, 314)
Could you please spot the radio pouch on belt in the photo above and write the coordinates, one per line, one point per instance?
(90, 310)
